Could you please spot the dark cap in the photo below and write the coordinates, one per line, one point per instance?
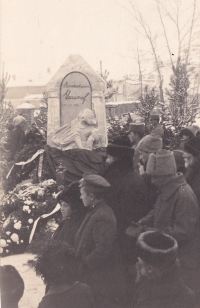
(94, 181)
(136, 127)
(122, 152)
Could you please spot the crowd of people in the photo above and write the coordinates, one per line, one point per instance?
(129, 237)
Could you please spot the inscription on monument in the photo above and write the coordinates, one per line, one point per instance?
(75, 95)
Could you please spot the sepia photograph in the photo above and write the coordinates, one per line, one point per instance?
(100, 153)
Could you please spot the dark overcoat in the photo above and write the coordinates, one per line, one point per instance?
(96, 245)
(193, 177)
(168, 292)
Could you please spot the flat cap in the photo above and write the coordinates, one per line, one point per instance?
(94, 181)
(136, 127)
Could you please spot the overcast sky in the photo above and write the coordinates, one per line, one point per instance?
(41, 34)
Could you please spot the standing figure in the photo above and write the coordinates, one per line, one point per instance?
(192, 163)
(73, 213)
(158, 277)
(157, 127)
(136, 133)
(96, 244)
(16, 139)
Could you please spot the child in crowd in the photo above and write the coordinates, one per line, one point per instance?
(57, 266)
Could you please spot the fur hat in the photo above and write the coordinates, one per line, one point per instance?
(161, 163)
(122, 152)
(150, 144)
(136, 128)
(156, 248)
(18, 120)
(186, 132)
(192, 146)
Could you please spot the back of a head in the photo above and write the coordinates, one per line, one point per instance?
(12, 287)
(56, 264)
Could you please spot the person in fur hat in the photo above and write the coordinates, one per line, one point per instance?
(192, 163)
(175, 213)
(185, 135)
(158, 277)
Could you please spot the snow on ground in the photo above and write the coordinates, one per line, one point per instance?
(34, 287)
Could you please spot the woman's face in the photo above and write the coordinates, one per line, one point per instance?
(188, 158)
(66, 209)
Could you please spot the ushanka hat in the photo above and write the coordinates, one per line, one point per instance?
(150, 144)
(192, 146)
(156, 248)
(161, 163)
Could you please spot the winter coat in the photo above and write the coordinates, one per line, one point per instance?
(193, 178)
(16, 141)
(96, 246)
(127, 196)
(75, 296)
(168, 292)
(176, 213)
(68, 228)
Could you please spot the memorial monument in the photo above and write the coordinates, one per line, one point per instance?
(76, 107)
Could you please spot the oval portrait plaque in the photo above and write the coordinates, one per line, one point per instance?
(75, 95)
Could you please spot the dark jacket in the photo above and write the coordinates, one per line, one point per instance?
(16, 140)
(127, 196)
(169, 292)
(76, 296)
(193, 177)
(176, 213)
(96, 246)
(68, 228)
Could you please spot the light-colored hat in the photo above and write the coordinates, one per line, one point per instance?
(161, 163)
(95, 182)
(18, 120)
(150, 144)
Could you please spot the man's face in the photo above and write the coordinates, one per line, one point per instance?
(188, 158)
(86, 198)
(185, 138)
(154, 122)
(141, 271)
(132, 137)
(144, 156)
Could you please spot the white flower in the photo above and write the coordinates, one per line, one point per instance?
(15, 220)
(1, 249)
(18, 225)
(33, 207)
(21, 241)
(8, 232)
(41, 192)
(26, 208)
(7, 251)
(30, 221)
(29, 211)
(28, 202)
(15, 238)
(8, 241)
(3, 243)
